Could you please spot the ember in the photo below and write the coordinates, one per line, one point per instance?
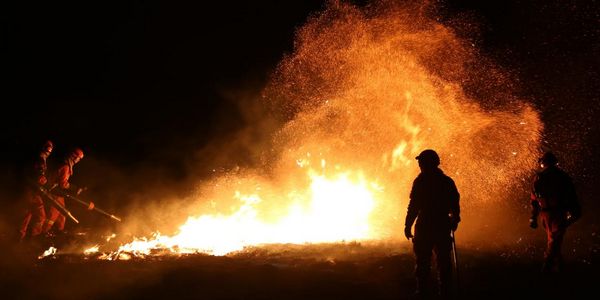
(363, 92)
(51, 251)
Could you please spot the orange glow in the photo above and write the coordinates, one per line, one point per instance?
(339, 209)
(363, 93)
(49, 252)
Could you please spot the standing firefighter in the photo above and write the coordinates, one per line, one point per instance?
(554, 199)
(34, 210)
(61, 181)
(434, 203)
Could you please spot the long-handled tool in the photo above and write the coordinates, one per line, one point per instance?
(89, 205)
(455, 261)
(48, 195)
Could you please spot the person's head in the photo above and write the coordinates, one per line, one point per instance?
(76, 155)
(548, 160)
(47, 148)
(428, 160)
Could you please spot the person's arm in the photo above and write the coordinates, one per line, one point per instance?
(535, 207)
(412, 211)
(40, 171)
(573, 206)
(454, 206)
(63, 177)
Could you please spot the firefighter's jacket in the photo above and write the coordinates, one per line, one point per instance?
(434, 203)
(554, 192)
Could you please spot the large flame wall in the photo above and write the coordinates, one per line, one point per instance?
(369, 89)
(363, 92)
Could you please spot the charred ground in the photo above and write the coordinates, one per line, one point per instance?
(326, 271)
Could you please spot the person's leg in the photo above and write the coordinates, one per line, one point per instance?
(24, 224)
(39, 216)
(555, 232)
(60, 222)
(443, 254)
(61, 219)
(25, 209)
(423, 249)
(555, 241)
(53, 214)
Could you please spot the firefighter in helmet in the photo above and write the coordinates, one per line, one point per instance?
(61, 181)
(555, 201)
(34, 210)
(434, 204)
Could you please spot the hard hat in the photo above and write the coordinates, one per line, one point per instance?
(48, 144)
(548, 159)
(77, 153)
(429, 157)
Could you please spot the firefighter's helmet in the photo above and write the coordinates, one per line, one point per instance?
(429, 158)
(77, 153)
(48, 144)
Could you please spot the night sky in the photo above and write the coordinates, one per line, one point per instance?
(145, 85)
(127, 79)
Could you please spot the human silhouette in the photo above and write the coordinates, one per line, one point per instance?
(554, 200)
(434, 204)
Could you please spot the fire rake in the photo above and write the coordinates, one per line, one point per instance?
(89, 205)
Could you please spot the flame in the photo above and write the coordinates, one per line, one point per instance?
(49, 252)
(91, 250)
(339, 209)
(110, 237)
(364, 91)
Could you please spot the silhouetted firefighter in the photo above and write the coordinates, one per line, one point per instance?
(434, 203)
(554, 199)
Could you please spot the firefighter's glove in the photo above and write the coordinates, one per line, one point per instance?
(407, 232)
(533, 223)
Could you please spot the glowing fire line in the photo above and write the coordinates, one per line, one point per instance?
(338, 210)
(369, 91)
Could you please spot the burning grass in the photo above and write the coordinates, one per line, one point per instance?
(370, 270)
(364, 91)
